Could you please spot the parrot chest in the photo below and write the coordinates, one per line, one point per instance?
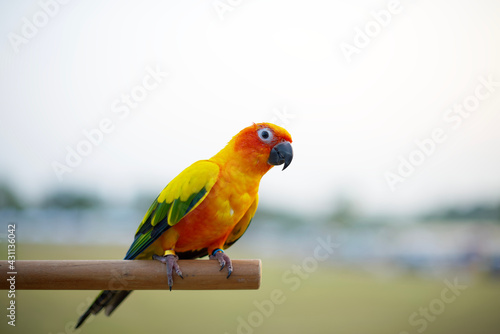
(214, 219)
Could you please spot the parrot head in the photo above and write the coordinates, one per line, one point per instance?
(263, 145)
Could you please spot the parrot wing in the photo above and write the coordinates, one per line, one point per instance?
(181, 196)
(242, 225)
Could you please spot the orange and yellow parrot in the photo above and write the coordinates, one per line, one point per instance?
(206, 208)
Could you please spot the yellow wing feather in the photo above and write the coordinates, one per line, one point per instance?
(182, 195)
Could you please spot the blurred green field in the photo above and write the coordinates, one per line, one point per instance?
(329, 300)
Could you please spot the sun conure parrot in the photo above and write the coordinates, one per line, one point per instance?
(206, 208)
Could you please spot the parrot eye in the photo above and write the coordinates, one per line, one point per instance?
(265, 135)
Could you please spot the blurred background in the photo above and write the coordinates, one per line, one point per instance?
(394, 112)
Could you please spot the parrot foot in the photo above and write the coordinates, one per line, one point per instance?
(170, 261)
(224, 260)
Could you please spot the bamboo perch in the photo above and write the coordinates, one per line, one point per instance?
(128, 275)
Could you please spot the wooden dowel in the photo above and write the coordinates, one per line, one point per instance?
(128, 275)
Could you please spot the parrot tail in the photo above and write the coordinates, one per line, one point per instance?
(108, 299)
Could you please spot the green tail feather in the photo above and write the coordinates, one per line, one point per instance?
(109, 299)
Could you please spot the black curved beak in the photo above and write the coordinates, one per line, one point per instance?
(281, 153)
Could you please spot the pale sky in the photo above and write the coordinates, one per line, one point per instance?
(170, 82)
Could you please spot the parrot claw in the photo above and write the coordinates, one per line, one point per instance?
(171, 262)
(223, 260)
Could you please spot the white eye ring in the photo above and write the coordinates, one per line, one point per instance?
(265, 135)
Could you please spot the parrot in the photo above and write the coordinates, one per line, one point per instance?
(206, 208)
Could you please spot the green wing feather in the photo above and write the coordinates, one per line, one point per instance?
(242, 225)
(182, 195)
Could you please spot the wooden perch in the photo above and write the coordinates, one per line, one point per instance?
(128, 275)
